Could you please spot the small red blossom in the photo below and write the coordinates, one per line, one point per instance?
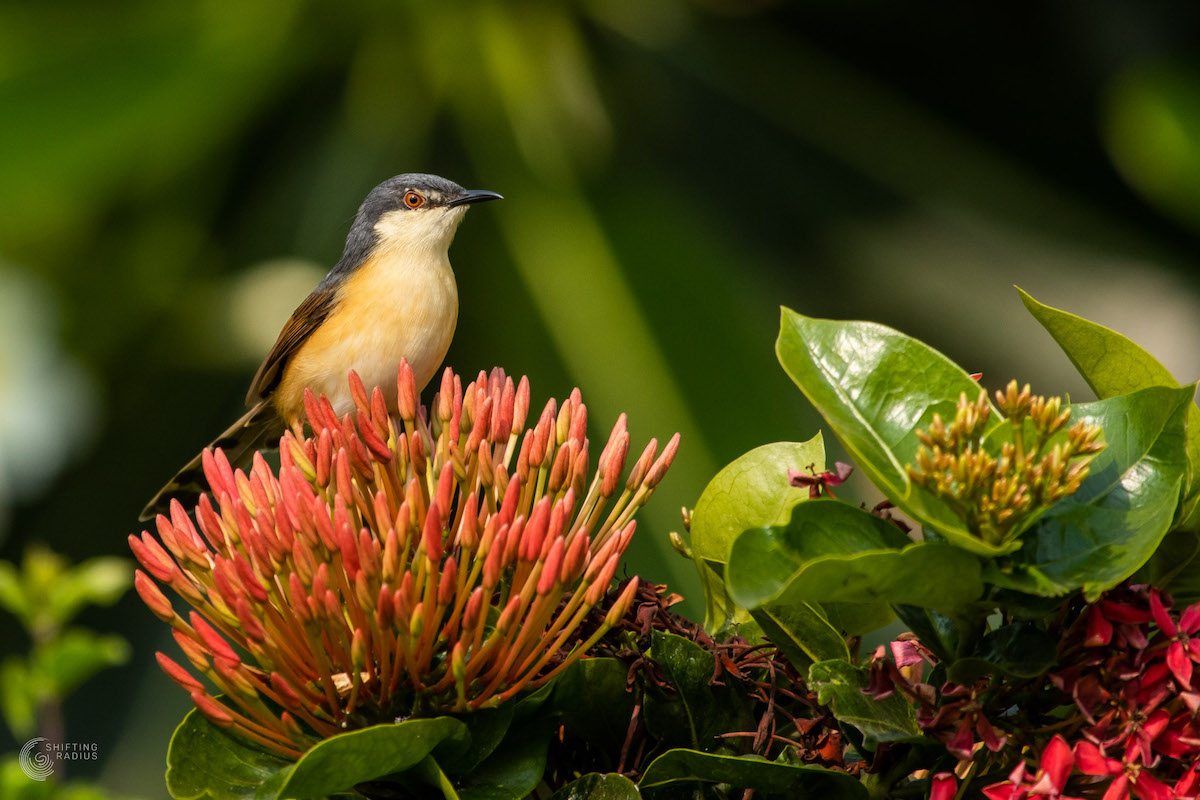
(1050, 780)
(816, 481)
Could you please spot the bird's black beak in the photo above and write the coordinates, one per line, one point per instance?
(474, 196)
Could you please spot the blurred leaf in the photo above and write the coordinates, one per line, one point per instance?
(12, 593)
(751, 772)
(698, 711)
(203, 761)
(876, 387)
(78, 654)
(1104, 532)
(597, 786)
(338, 763)
(98, 581)
(801, 631)
(1114, 365)
(1171, 566)
(16, 785)
(1152, 130)
(18, 697)
(1020, 650)
(834, 552)
(839, 684)
(750, 491)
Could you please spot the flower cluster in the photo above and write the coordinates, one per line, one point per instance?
(1130, 674)
(997, 495)
(439, 562)
(1123, 704)
(954, 715)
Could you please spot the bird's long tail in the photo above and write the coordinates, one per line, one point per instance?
(258, 428)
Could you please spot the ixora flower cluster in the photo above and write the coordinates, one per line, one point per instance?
(441, 562)
(995, 496)
(1122, 707)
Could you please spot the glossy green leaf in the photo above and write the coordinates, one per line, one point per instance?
(486, 729)
(839, 684)
(204, 761)
(1114, 365)
(752, 490)
(696, 712)
(751, 772)
(945, 636)
(513, 771)
(1103, 533)
(876, 387)
(340, 762)
(599, 786)
(834, 552)
(1020, 650)
(802, 632)
(591, 701)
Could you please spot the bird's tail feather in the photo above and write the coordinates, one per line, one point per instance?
(255, 430)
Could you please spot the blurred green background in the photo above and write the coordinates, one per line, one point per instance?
(175, 177)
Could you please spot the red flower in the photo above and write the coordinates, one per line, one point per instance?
(1183, 649)
(1050, 780)
(1127, 774)
(943, 786)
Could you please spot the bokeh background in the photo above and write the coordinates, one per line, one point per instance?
(175, 177)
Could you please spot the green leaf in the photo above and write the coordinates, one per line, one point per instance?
(598, 786)
(751, 772)
(1114, 365)
(839, 684)
(340, 762)
(513, 771)
(697, 712)
(944, 635)
(802, 632)
(204, 761)
(12, 593)
(97, 581)
(78, 654)
(591, 701)
(486, 729)
(834, 552)
(1173, 566)
(18, 698)
(752, 490)
(1021, 650)
(876, 387)
(1103, 533)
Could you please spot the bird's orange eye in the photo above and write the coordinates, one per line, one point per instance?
(413, 199)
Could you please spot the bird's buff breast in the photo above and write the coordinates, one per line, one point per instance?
(389, 308)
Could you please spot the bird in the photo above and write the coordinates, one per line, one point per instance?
(391, 296)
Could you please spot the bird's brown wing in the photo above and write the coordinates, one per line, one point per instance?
(307, 317)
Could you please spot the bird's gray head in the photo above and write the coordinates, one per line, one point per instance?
(411, 212)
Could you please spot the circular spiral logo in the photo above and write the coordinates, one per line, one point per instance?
(34, 762)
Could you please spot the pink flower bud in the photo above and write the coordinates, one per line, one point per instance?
(215, 643)
(447, 585)
(406, 392)
(550, 568)
(153, 597)
(213, 711)
(178, 674)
